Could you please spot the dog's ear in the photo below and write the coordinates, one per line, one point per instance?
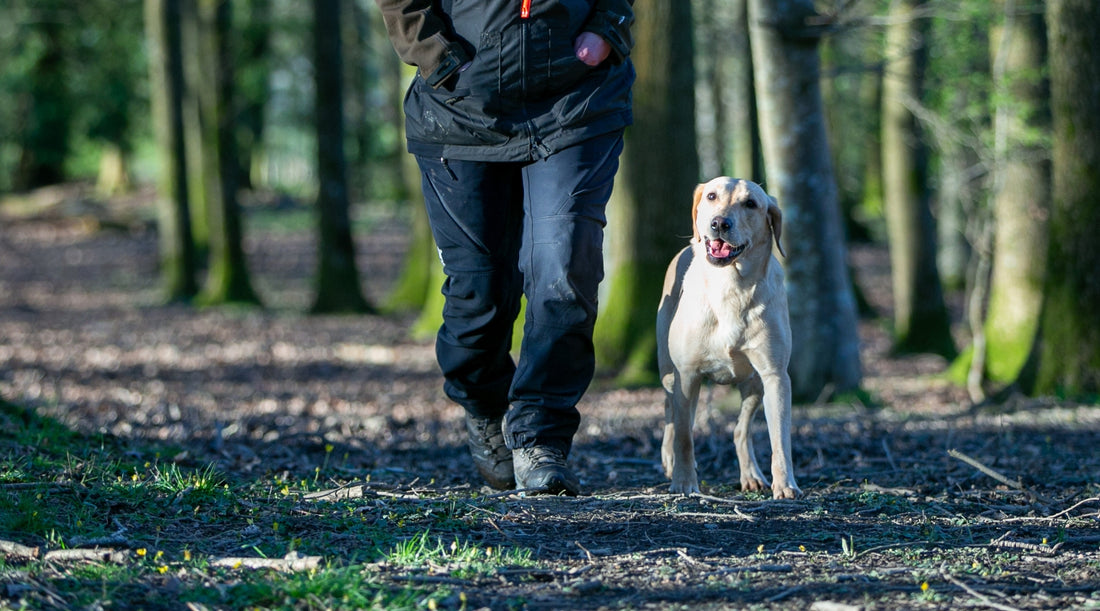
(695, 237)
(775, 223)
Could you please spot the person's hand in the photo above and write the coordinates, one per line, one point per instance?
(591, 48)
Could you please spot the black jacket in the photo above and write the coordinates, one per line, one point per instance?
(524, 95)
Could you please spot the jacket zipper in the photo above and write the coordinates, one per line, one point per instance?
(525, 9)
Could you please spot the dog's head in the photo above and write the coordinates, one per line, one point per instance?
(732, 217)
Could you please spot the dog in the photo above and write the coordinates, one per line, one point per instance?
(723, 317)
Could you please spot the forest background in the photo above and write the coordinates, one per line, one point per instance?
(955, 132)
(944, 152)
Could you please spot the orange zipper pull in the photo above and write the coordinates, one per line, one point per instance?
(525, 9)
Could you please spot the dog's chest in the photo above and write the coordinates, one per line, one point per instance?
(723, 359)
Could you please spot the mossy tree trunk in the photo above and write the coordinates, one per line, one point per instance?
(1021, 192)
(418, 286)
(800, 176)
(178, 270)
(649, 216)
(196, 81)
(338, 285)
(921, 322)
(1069, 361)
(228, 279)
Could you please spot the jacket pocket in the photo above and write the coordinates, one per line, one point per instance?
(449, 117)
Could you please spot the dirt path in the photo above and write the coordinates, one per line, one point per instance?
(888, 509)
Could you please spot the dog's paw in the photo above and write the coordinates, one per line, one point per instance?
(683, 487)
(753, 484)
(782, 491)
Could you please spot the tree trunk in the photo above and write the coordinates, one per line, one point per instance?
(1021, 192)
(196, 81)
(228, 280)
(1069, 362)
(800, 176)
(650, 209)
(418, 285)
(177, 256)
(255, 41)
(741, 129)
(921, 322)
(338, 286)
(44, 137)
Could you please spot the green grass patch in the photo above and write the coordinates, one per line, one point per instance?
(170, 528)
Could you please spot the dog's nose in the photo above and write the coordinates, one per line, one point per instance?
(720, 224)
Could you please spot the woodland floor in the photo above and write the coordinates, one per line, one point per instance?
(889, 518)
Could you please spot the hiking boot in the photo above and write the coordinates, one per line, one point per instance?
(493, 459)
(542, 470)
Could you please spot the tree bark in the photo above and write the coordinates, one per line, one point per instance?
(921, 323)
(1069, 361)
(1021, 192)
(649, 216)
(255, 41)
(228, 279)
(800, 175)
(338, 285)
(177, 251)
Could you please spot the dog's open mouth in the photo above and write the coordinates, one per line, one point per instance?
(722, 252)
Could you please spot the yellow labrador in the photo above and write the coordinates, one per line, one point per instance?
(723, 317)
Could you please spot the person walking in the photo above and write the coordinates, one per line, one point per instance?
(516, 117)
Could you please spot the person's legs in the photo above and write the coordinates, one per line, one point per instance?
(561, 260)
(475, 212)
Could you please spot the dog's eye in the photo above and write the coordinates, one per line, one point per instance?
(712, 196)
(750, 204)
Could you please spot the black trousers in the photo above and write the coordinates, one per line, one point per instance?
(509, 230)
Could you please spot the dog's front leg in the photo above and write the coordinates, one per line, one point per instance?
(678, 447)
(752, 393)
(777, 410)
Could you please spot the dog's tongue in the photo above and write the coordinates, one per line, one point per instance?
(719, 249)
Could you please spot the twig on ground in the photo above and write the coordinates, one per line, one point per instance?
(342, 493)
(430, 579)
(692, 561)
(717, 499)
(500, 530)
(16, 551)
(1015, 484)
(585, 550)
(1075, 506)
(1031, 547)
(292, 562)
(973, 462)
(982, 599)
(87, 555)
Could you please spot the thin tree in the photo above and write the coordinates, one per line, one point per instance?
(228, 279)
(650, 209)
(1069, 361)
(338, 285)
(800, 175)
(196, 72)
(255, 50)
(1021, 194)
(178, 268)
(921, 322)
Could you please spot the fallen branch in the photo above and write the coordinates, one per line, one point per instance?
(15, 551)
(88, 555)
(292, 562)
(987, 470)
